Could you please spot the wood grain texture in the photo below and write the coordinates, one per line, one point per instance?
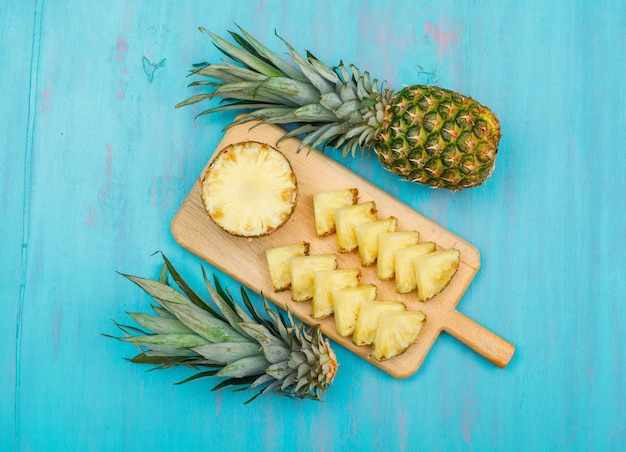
(244, 259)
(93, 147)
(18, 51)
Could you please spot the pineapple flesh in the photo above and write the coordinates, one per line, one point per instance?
(405, 272)
(302, 273)
(425, 134)
(325, 204)
(278, 260)
(349, 217)
(347, 304)
(367, 321)
(325, 282)
(367, 238)
(249, 189)
(388, 244)
(396, 332)
(434, 271)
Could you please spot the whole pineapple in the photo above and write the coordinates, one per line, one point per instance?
(247, 349)
(426, 134)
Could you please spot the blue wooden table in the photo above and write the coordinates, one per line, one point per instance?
(95, 162)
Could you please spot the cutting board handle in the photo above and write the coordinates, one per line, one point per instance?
(479, 339)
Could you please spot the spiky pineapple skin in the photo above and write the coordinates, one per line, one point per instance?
(438, 137)
(425, 134)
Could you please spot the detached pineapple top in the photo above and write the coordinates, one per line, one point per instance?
(426, 134)
(246, 349)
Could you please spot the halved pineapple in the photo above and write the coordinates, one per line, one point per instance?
(347, 218)
(278, 259)
(395, 332)
(367, 322)
(405, 273)
(302, 272)
(388, 244)
(249, 189)
(347, 303)
(434, 271)
(325, 282)
(325, 204)
(367, 238)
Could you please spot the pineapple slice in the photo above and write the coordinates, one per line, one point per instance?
(325, 204)
(367, 238)
(278, 262)
(367, 322)
(388, 244)
(325, 282)
(302, 271)
(395, 332)
(347, 218)
(249, 189)
(434, 271)
(405, 273)
(347, 303)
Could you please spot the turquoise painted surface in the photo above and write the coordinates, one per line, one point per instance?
(95, 162)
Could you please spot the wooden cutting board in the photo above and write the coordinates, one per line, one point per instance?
(244, 259)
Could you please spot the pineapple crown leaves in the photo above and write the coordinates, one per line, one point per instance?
(339, 107)
(245, 348)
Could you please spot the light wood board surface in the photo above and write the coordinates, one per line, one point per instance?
(244, 259)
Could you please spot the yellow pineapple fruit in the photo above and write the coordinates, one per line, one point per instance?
(367, 322)
(405, 273)
(249, 189)
(302, 271)
(347, 218)
(325, 204)
(347, 303)
(278, 260)
(396, 332)
(423, 133)
(367, 238)
(434, 271)
(388, 244)
(325, 282)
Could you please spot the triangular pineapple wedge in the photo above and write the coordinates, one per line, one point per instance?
(325, 204)
(347, 218)
(302, 270)
(405, 273)
(388, 244)
(367, 238)
(367, 322)
(347, 304)
(323, 285)
(396, 332)
(434, 271)
(278, 260)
